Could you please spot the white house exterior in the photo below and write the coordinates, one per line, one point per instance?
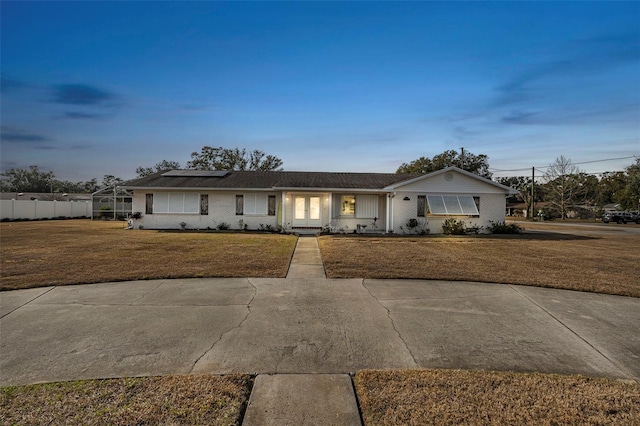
(313, 201)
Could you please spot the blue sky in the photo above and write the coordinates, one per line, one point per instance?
(95, 88)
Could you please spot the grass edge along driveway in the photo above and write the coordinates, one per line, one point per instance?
(594, 263)
(391, 397)
(46, 253)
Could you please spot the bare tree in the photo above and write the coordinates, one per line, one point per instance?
(564, 185)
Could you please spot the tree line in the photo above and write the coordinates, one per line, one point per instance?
(563, 187)
(32, 179)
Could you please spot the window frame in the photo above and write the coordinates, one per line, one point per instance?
(445, 201)
(255, 204)
(352, 208)
(165, 203)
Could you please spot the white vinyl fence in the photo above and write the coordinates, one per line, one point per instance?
(35, 209)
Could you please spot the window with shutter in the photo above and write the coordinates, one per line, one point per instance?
(422, 202)
(239, 205)
(272, 205)
(204, 204)
(148, 204)
(461, 205)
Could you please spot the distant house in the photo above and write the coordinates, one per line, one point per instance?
(517, 209)
(313, 201)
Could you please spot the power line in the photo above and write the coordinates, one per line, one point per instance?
(582, 162)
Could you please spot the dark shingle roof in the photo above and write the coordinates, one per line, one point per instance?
(275, 180)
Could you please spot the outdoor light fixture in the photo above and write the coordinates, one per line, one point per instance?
(407, 199)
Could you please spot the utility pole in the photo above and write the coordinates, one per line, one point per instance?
(533, 184)
(462, 158)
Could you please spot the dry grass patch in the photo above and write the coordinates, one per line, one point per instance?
(602, 264)
(176, 400)
(419, 397)
(36, 254)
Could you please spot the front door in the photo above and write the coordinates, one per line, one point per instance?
(307, 210)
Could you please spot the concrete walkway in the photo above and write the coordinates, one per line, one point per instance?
(307, 261)
(303, 336)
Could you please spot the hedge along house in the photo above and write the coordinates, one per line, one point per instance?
(308, 202)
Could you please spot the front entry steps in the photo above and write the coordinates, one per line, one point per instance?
(306, 230)
(306, 261)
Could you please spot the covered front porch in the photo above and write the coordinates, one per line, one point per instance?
(346, 212)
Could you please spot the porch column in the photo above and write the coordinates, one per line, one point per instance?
(388, 218)
(284, 210)
(330, 208)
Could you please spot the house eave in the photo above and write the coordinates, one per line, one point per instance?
(273, 189)
(506, 189)
(312, 189)
(191, 188)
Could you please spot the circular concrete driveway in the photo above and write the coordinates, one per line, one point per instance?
(311, 326)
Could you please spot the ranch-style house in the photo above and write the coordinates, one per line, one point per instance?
(314, 201)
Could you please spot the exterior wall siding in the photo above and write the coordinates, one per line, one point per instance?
(222, 208)
(492, 201)
(492, 209)
(459, 183)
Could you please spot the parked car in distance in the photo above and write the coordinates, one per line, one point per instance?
(621, 217)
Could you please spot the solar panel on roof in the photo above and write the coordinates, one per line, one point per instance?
(196, 173)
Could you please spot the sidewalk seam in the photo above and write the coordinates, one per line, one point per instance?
(613, 362)
(393, 324)
(27, 302)
(248, 305)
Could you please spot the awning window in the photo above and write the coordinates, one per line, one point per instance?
(452, 205)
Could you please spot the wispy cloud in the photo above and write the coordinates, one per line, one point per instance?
(74, 115)
(80, 147)
(8, 84)
(522, 117)
(195, 107)
(9, 134)
(618, 112)
(461, 132)
(80, 94)
(581, 58)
